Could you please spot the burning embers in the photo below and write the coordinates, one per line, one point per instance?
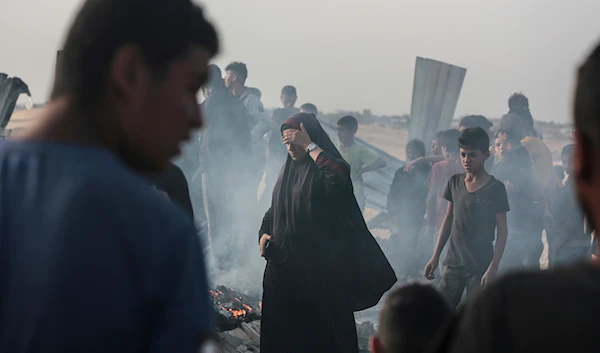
(233, 308)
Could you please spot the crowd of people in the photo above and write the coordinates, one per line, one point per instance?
(103, 238)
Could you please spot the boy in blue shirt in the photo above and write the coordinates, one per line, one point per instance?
(92, 258)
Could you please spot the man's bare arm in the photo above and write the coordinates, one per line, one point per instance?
(444, 231)
(378, 164)
(443, 237)
(502, 235)
(429, 159)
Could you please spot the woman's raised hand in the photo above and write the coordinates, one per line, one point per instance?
(299, 138)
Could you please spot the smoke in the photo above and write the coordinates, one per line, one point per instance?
(223, 182)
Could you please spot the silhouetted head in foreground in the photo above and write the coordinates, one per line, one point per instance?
(410, 319)
(129, 82)
(586, 169)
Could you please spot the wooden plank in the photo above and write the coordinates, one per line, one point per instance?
(249, 330)
(256, 326)
(241, 341)
(224, 343)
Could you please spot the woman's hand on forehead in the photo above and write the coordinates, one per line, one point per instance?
(299, 138)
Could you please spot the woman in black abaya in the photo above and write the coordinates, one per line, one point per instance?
(322, 262)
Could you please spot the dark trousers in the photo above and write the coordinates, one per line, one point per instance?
(455, 280)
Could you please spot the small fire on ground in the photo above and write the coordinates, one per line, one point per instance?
(232, 305)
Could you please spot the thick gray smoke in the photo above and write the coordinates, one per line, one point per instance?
(223, 180)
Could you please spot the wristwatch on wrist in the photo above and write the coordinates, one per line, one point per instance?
(313, 146)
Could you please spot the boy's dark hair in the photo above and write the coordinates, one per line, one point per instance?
(288, 91)
(476, 138)
(568, 150)
(449, 140)
(418, 146)
(475, 121)
(438, 135)
(310, 108)
(587, 101)
(240, 69)
(411, 318)
(163, 30)
(518, 100)
(349, 122)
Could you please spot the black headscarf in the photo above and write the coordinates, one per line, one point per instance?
(303, 198)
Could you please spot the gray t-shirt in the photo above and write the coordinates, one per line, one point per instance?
(474, 224)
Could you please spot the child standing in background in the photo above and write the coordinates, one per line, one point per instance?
(477, 207)
(361, 158)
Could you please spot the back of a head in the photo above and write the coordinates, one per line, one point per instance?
(518, 100)
(240, 69)
(449, 140)
(348, 122)
(163, 30)
(309, 108)
(525, 115)
(475, 121)
(288, 91)
(411, 317)
(215, 77)
(475, 138)
(513, 125)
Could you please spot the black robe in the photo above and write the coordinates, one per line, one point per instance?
(323, 263)
(173, 182)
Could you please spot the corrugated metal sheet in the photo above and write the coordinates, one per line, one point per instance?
(436, 90)
(377, 183)
(10, 90)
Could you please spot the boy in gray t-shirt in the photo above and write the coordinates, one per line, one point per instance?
(477, 208)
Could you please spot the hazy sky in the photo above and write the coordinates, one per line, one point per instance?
(355, 54)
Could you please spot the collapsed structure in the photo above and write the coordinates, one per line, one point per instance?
(10, 90)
